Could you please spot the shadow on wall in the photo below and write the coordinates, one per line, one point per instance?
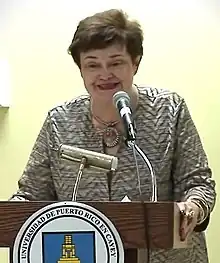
(4, 112)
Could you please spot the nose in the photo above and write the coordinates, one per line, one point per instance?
(105, 73)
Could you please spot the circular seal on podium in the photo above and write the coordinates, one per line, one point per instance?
(68, 232)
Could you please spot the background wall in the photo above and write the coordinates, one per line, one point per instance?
(182, 40)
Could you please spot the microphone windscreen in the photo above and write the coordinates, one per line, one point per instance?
(120, 95)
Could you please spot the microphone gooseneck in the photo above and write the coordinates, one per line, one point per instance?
(122, 103)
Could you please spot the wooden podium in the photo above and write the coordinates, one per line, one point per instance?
(132, 220)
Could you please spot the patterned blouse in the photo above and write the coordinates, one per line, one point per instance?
(167, 135)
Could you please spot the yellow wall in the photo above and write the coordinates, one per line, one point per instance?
(182, 53)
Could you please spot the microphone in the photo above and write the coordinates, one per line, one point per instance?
(92, 159)
(121, 101)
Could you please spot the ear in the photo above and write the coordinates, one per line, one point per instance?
(137, 63)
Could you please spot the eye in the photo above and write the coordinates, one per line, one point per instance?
(92, 65)
(117, 63)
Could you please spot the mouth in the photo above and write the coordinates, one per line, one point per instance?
(108, 86)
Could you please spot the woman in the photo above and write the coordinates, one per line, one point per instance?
(107, 47)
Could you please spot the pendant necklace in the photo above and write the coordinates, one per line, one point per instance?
(111, 136)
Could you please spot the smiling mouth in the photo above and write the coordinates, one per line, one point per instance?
(109, 86)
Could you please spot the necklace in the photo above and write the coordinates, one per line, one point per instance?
(111, 136)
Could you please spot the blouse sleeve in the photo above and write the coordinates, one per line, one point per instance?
(192, 176)
(36, 182)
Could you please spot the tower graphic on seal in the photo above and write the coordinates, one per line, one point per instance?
(68, 251)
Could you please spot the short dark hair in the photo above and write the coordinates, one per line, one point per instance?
(104, 29)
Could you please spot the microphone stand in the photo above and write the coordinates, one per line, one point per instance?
(110, 175)
(83, 163)
(132, 144)
(78, 178)
(88, 159)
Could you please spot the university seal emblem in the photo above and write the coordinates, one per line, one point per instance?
(68, 232)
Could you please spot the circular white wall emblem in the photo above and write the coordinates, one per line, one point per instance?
(68, 232)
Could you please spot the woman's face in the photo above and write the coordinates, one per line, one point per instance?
(106, 71)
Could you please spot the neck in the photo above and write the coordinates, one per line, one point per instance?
(108, 113)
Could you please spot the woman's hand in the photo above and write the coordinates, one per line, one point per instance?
(189, 213)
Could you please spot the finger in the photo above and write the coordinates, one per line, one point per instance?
(187, 216)
(184, 224)
(190, 217)
(188, 222)
(188, 231)
(183, 220)
(191, 223)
